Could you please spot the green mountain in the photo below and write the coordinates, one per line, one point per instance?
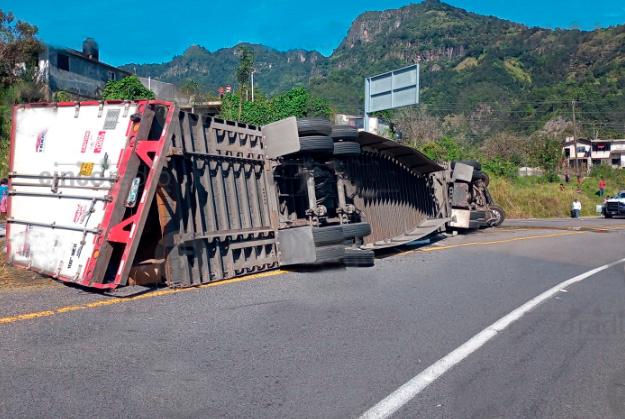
(505, 72)
(275, 71)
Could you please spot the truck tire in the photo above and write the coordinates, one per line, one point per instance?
(356, 230)
(500, 215)
(359, 258)
(479, 175)
(607, 215)
(347, 149)
(314, 126)
(330, 254)
(328, 235)
(316, 144)
(344, 132)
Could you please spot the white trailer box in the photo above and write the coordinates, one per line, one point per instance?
(76, 172)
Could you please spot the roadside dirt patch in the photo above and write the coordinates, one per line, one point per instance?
(11, 277)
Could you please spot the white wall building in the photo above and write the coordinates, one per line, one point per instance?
(595, 152)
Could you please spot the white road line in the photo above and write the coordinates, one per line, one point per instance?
(393, 402)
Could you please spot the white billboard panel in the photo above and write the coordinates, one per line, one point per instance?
(391, 90)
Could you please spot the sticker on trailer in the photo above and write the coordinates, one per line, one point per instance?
(132, 194)
(71, 257)
(86, 169)
(41, 141)
(85, 141)
(110, 120)
(79, 214)
(99, 142)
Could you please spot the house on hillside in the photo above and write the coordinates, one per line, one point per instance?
(82, 75)
(594, 152)
(610, 152)
(79, 73)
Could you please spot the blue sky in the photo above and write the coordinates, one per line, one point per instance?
(154, 31)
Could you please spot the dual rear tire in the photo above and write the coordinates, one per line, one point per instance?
(330, 245)
(318, 136)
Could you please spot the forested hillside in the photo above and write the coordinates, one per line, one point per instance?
(487, 69)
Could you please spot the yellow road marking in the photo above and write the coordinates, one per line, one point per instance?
(112, 301)
(543, 236)
(160, 293)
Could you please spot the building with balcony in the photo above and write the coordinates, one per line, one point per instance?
(594, 152)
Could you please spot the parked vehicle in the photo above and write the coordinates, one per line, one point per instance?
(107, 194)
(614, 206)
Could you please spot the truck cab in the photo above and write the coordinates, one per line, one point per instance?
(614, 206)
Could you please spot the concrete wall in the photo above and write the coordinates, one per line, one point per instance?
(165, 91)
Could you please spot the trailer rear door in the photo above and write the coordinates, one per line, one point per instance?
(64, 164)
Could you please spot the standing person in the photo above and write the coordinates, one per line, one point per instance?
(4, 195)
(580, 180)
(576, 208)
(567, 178)
(601, 187)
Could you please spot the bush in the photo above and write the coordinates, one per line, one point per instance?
(297, 102)
(500, 167)
(608, 173)
(445, 149)
(128, 88)
(547, 154)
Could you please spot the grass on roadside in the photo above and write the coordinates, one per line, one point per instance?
(536, 198)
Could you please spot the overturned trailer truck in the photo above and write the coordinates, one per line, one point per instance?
(108, 194)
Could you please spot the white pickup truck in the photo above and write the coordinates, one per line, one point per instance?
(615, 205)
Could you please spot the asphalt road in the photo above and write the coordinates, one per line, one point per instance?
(333, 343)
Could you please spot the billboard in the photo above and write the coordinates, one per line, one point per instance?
(394, 89)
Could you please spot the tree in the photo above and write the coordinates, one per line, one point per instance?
(417, 127)
(546, 152)
(190, 88)
(506, 146)
(484, 120)
(128, 88)
(19, 49)
(443, 150)
(298, 102)
(245, 68)
(243, 73)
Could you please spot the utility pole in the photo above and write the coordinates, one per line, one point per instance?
(252, 76)
(575, 138)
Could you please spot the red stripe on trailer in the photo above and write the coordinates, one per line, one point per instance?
(11, 158)
(119, 158)
(66, 104)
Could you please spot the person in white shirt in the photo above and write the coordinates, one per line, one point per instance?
(576, 208)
